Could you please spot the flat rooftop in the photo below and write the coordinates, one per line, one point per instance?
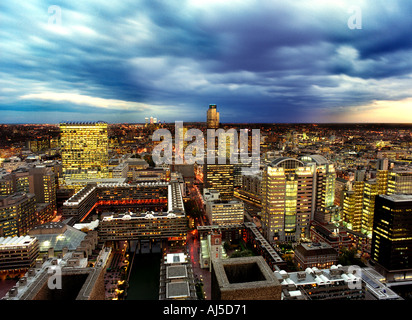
(16, 241)
(177, 290)
(397, 197)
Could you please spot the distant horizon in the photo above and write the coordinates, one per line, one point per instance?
(229, 123)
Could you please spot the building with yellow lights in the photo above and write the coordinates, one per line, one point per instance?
(212, 117)
(84, 150)
(286, 189)
(392, 236)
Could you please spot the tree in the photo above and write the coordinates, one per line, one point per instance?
(348, 257)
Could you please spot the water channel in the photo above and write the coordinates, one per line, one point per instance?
(144, 273)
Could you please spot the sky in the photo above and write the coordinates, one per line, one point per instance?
(272, 61)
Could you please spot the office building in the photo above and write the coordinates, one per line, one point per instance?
(212, 117)
(400, 181)
(359, 198)
(17, 214)
(221, 212)
(371, 190)
(392, 235)
(324, 176)
(84, 150)
(219, 177)
(352, 206)
(287, 186)
(250, 190)
(341, 185)
(7, 185)
(38, 180)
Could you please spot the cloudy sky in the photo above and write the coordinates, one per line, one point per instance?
(258, 60)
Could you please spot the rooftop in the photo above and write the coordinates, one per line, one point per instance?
(315, 248)
(318, 159)
(57, 236)
(397, 197)
(16, 241)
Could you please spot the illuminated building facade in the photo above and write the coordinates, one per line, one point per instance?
(219, 177)
(392, 234)
(155, 210)
(17, 214)
(220, 212)
(144, 226)
(84, 150)
(18, 254)
(212, 117)
(324, 177)
(286, 199)
(400, 181)
(352, 206)
(359, 200)
(6, 184)
(39, 181)
(368, 207)
(382, 181)
(152, 196)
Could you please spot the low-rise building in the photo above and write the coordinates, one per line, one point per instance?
(18, 253)
(315, 254)
(335, 283)
(176, 278)
(221, 212)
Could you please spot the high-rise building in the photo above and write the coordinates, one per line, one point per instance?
(39, 181)
(212, 117)
(382, 181)
(286, 190)
(17, 214)
(7, 185)
(400, 181)
(219, 177)
(392, 234)
(324, 176)
(370, 192)
(359, 200)
(352, 206)
(84, 150)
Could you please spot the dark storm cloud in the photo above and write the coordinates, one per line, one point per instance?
(258, 60)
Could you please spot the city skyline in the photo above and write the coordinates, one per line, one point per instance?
(263, 62)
